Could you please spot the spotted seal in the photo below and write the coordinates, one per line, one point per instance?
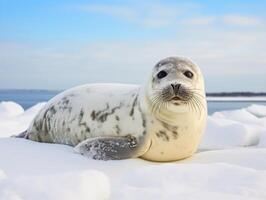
(161, 121)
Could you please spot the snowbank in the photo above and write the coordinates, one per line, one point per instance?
(236, 128)
(230, 164)
(14, 120)
(10, 109)
(257, 110)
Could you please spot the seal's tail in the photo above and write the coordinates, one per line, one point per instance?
(21, 135)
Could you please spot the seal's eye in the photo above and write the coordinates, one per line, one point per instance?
(162, 74)
(189, 74)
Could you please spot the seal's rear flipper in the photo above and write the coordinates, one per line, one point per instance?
(21, 135)
(109, 148)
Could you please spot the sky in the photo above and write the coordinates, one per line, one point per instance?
(56, 44)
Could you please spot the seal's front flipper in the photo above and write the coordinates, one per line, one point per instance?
(21, 135)
(109, 148)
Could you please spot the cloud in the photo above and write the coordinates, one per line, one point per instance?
(220, 50)
(159, 15)
(238, 20)
(199, 21)
(154, 15)
(222, 54)
(122, 12)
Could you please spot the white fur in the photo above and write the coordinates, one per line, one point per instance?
(94, 97)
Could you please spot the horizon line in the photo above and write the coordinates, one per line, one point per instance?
(58, 90)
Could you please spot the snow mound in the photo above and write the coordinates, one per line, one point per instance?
(223, 133)
(13, 119)
(10, 109)
(242, 116)
(80, 185)
(257, 110)
(235, 128)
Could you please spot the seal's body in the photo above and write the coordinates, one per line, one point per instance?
(162, 121)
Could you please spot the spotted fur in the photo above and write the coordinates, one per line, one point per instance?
(116, 121)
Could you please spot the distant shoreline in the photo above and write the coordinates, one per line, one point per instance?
(237, 94)
(237, 99)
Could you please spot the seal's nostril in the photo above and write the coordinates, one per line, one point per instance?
(173, 86)
(176, 87)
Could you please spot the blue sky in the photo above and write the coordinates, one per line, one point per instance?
(56, 44)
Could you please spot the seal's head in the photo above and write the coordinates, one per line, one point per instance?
(176, 85)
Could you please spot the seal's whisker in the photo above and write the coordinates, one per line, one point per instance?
(199, 95)
(197, 103)
(156, 103)
(200, 103)
(194, 89)
(195, 92)
(188, 105)
(188, 96)
(193, 104)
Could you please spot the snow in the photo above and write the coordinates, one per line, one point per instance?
(236, 128)
(14, 120)
(194, 181)
(257, 110)
(10, 109)
(230, 164)
(72, 185)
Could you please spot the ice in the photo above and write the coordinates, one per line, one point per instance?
(257, 110)
(223, 133)
(230, 164)
(235, 128)
(242, 116)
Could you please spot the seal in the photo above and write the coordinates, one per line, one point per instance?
(162, 121)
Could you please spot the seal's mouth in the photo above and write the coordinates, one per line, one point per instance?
(179, 95)
(175, 98)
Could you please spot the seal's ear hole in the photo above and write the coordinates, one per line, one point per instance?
(188, 74)
(162, 74)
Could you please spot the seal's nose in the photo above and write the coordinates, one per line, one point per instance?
(176, 87)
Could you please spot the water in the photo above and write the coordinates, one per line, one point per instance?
(28, 98)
